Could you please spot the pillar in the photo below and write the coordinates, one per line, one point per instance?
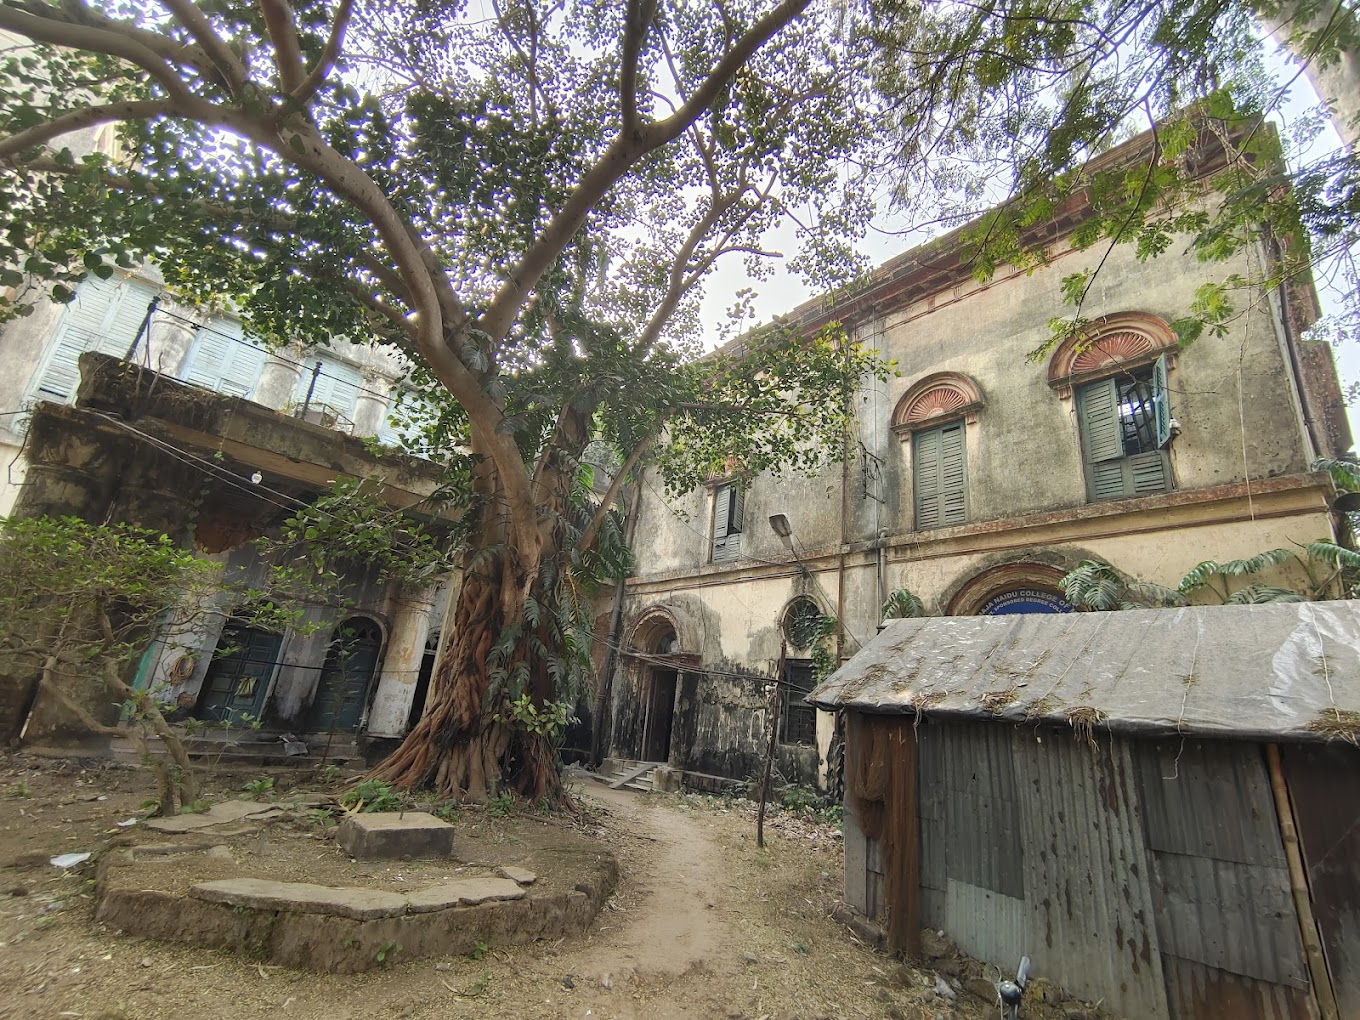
(370, 409)
(279, 379)
(412, 609)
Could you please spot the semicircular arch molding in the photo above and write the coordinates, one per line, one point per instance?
(978, 590)
(935, 399)
(655, 628)
(1109, 343)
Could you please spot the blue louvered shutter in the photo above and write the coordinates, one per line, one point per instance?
(1161, 399)
(337, 388)
(104, 316)
(222, 359)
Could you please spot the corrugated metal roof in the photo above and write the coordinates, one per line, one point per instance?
(1263, 672)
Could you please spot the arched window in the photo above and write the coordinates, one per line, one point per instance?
(1118, 370)
(933, 415)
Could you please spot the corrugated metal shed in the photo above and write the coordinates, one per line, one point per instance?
(1285, 670)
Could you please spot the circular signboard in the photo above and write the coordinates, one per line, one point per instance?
(1024, 600)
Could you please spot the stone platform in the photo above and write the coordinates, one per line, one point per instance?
(395, 835)
(293, 897)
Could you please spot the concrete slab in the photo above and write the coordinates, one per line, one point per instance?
(522, 876)
(226, 813)
(393, 835)
(463, 892)
(302, 898)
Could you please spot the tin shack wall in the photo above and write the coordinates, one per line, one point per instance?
(1148, 875)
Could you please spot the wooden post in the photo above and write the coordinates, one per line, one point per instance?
(1298, 882)
(769, 753)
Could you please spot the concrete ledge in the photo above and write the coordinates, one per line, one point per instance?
(302, 898)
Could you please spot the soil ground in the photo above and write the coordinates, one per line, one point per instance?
(702, 925)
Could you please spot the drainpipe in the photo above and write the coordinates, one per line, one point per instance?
(881, 548)
(611, 659)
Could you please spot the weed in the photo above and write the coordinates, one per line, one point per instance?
(799, 798)
(347, 942)
(800, 947)
(19, 790)
(196, 808)
(447, 811)
(370, 795)
(388, 950)
(321, 818)
(329, 773)
(258, 788)
(479, 949)
(499, 806)
(478, 986)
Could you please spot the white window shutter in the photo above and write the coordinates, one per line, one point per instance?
(104, 316)
(737, 518)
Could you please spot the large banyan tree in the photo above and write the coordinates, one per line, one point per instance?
(524, 197)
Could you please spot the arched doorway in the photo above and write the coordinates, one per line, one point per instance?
(346, 676)
(1012, 588)
(659, 709)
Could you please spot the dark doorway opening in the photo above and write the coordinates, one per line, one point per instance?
(660, 713)
(346, 676)
(423, 682)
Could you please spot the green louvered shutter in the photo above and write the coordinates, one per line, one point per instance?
(1102, 441)
(1161, 400)
(925, 475)
(953, 477)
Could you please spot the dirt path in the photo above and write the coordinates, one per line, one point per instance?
(703, 926)
(675, 925)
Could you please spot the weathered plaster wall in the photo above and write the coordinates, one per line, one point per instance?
(1240, 468)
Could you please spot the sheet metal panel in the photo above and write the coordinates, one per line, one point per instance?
(1086, 874)
(986, 924)
(1209, 798)
(1324, 784)
(1234, 917)
(1197, 992)
(931, 797)
(982, 845)
(1221, 883)
(856, 865)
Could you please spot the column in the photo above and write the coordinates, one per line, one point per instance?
(279, 378)
(411, 612)
(370, 409)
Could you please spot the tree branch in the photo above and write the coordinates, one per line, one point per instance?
(112, 41)
(231, 67)
(607, 500)
(639, 18)
(279, 21)
(41, 134)
(316, 77)
(615, 163)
